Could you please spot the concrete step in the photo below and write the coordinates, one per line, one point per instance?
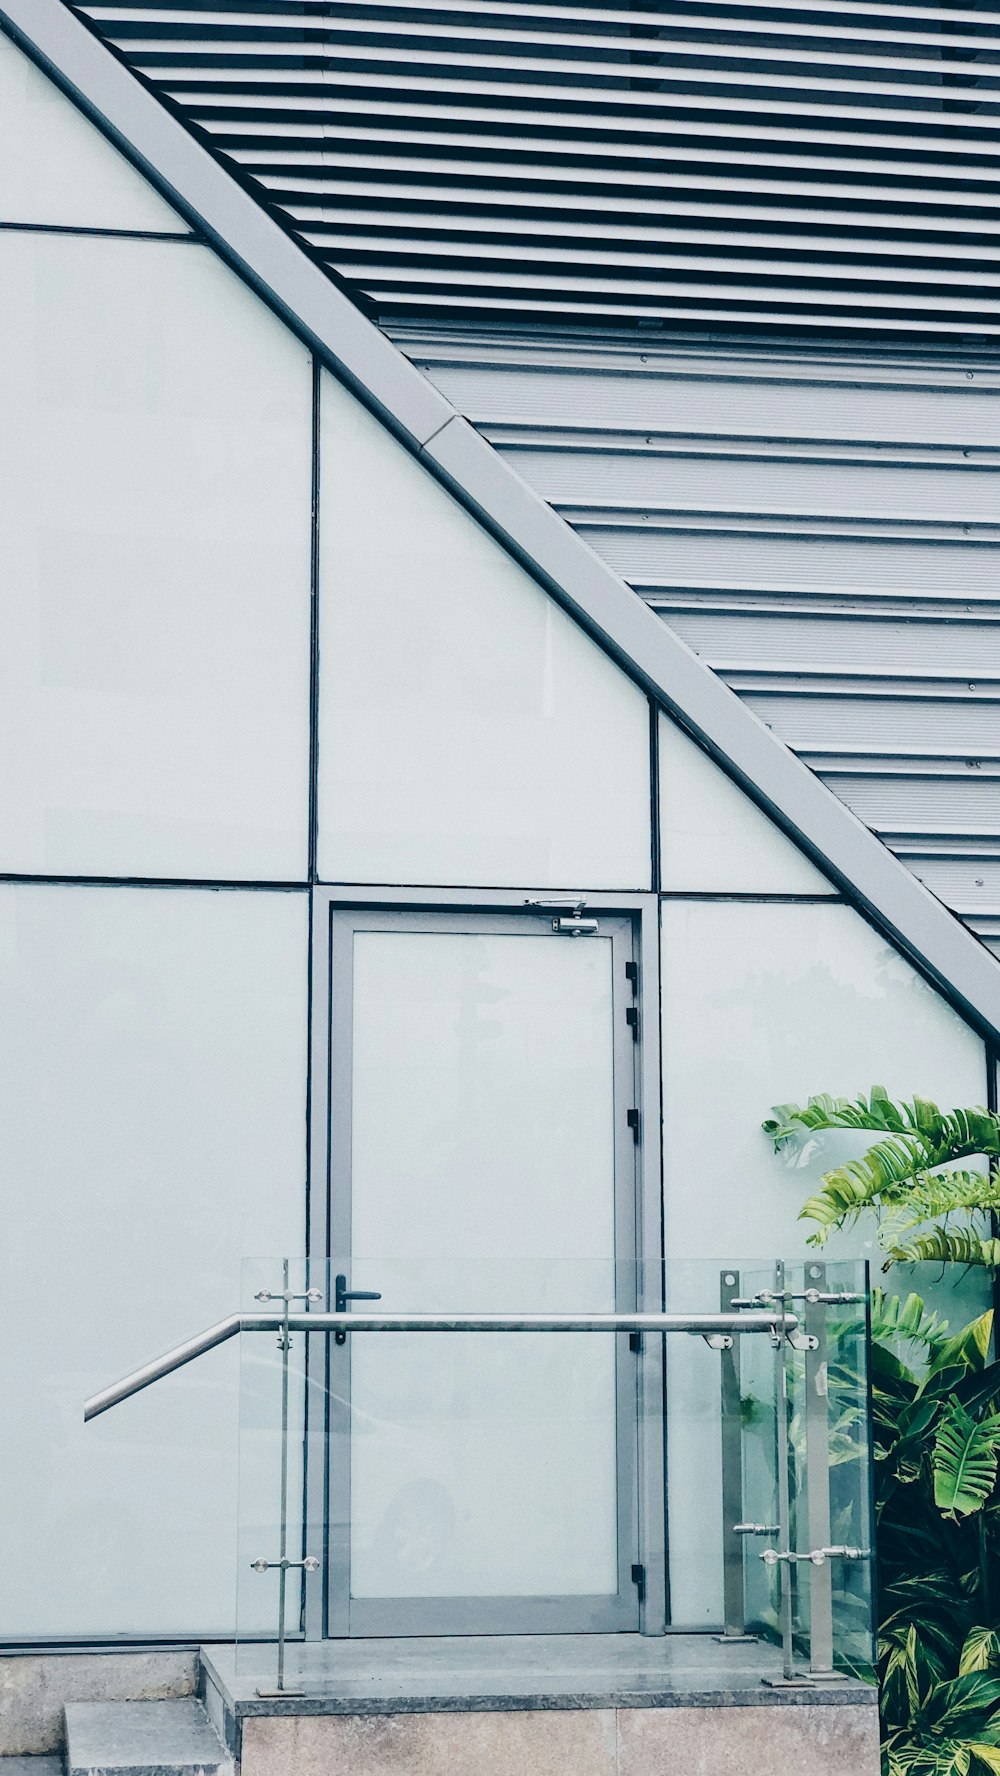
(143, 1739)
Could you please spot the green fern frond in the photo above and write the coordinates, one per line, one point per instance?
(950, 1133)
(936, 1194)
(894, 1318)
(877, 1179)
(939, 1246)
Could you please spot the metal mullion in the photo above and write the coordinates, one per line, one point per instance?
(653, 1527)
(340, 1114)
(629, 1430)
(317, 1428)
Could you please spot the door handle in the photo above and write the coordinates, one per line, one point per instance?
(342, 1295)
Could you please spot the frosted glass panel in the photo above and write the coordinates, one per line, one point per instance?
(469, 731)
(484, 1180)
(152, 1085)
(766, 1005)
(155, 466)
(55, 165)
(713, 837)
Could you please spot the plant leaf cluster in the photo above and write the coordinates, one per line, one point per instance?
(936, 1423)
(909, 1178)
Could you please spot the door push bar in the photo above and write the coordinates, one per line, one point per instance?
(709, 1326)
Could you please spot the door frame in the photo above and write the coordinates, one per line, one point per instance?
(643, 910)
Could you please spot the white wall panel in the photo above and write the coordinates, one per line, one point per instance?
(470, 732)
(155, 471)
(766, 1004)
(152, 1129)
(713, 837)
(57, 169)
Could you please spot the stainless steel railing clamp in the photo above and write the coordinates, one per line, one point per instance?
(815, 1556)
(309, 1564)
(284, 1340)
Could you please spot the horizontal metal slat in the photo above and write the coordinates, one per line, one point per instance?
(674, 53)
(393, 303)
(740, 95)
(855, 256)
(848, 10)
(717, 483)
(614, 133)
(234, 20)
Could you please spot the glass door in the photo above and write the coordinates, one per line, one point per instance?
(483, 1140)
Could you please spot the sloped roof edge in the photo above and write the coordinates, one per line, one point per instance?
(305, 296)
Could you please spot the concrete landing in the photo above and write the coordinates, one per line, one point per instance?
(455, 1674)
(545, 1705)
(143, 1739)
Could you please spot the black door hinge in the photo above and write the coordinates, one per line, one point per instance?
(632, 1019)
(632, 974)
(639, 1581)
(633, 1122)
(635, 1341)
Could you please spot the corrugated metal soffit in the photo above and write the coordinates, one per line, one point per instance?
(750, 166)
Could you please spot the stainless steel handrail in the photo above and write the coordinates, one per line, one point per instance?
(698, 1325)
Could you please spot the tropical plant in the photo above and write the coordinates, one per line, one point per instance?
(936, 1422)
(909, 1178)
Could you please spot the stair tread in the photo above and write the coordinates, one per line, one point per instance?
(142, 1739)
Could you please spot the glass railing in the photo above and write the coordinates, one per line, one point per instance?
(507, 1450)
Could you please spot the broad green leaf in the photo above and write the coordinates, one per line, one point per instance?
(980, 1652)
(978, 1390)
(950, 1707)
(970, 1346)
(964, 1460)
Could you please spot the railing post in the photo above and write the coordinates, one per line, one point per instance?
(818, 1472)
(733, 1589)
(785, 1567)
